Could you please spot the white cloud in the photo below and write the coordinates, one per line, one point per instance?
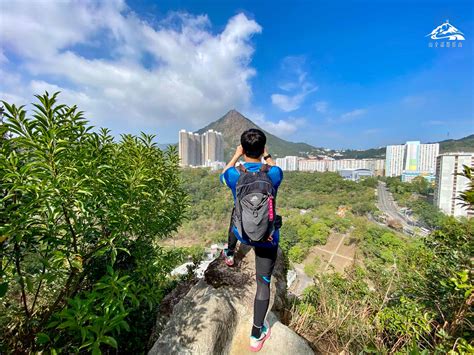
(292, 66)
(282, 128)
(321, 106)
(288, 103)
(348, 116)
(354, 113)
(3, 59)
(193, 75)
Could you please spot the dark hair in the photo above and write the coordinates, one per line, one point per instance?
(253, 142)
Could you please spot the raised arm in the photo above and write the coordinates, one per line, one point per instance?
(270, 160)
(238, 153)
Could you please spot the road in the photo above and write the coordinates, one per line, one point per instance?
(386, 205)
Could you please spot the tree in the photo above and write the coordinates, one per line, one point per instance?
(81, 214)
(421, 185)
(467, 197)
(297, 253)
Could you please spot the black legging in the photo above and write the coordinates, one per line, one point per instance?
(264, 263)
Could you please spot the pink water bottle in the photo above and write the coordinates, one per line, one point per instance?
(270, 208)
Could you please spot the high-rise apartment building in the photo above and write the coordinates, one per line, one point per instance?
(412, 154)
(281, 162)
(199, 150)
(376, 166)
(428, 155)
(394, 157)
(449, 185)
(213, 146)
(183, 147)
(411, 160)
(312, 165)
(288, 163)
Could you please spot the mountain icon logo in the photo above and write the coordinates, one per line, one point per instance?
(446, 31)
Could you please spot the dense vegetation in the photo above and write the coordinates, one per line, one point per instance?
(321, 193)
(80, 216)
(402, 294)
(372, 153)
(465, 144)
(407, 295)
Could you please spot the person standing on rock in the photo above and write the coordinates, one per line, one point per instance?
(254, 221)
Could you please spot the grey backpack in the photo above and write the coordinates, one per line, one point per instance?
(254, 214)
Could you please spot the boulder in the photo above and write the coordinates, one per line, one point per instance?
(215, 316)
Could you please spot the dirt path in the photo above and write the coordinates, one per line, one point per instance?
(334, 256)
(334, 253)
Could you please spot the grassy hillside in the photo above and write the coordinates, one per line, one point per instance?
(465, 144)
(364, 154)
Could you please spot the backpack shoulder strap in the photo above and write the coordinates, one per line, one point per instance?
(265, 168)
(242, 168)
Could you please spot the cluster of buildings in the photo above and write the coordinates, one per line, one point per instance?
(205, 149)
(411, 159)
(408, 161)
(414, 159)
(294, 163)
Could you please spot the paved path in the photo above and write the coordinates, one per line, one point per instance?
(387, 205)
(302, 280)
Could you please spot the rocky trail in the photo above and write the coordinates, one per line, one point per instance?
(215, 315)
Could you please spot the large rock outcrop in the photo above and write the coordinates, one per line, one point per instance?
(215, 316)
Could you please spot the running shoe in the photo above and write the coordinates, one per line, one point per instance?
(257, 343)
(229, 259)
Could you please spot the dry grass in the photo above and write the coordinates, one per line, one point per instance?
(337, 322)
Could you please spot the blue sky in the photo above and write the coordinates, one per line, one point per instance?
(338, 74)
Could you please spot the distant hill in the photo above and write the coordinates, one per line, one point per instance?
(233, 123)
(465, 144)
(372, 153)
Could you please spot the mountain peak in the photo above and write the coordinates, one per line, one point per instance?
(233, 124)
(234, 114)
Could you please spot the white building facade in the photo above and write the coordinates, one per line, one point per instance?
(394, 157)
(200, 150)
(312, 165)
(288, 163)
(449, 185)
(411, 160)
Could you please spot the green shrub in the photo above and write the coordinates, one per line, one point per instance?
(297, 253)
(316, 233)
(80, 216)
(312, 268)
